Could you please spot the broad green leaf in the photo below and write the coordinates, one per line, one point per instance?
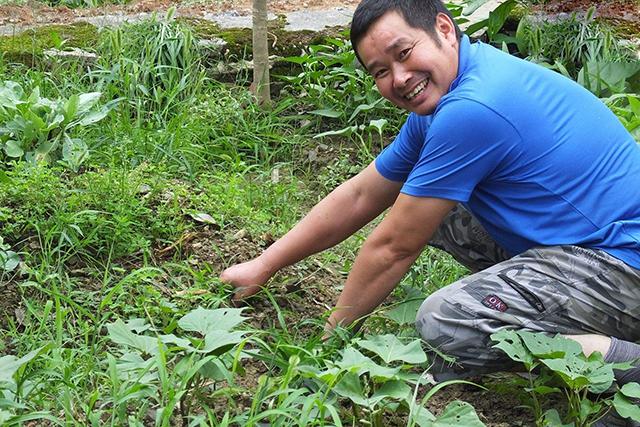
(349, 386)
(552, 418)
(122, 334)
(179, 342)
(405, 313)
(13, 149)
(510, 342)
(578, 372)
(634, 104)
(57, 120)
(355, 362)
(204, 321)
(397, 390)
(543, 346)
(498, 16)
(9, 260)
(11, 95)
(216, 370)
(477, 26)
(219, 342)
(588, 408)
(138, 325)
(631, 390)
(5, 416)
(46, 147)
(379, 124)
(74, 152)
(70, 108)
(132, 367)
(390, 349)
(457, 414)
(9, 365)
(34, 97)
(87, 100)
(422, 416)
(626, 407)
(94, 116)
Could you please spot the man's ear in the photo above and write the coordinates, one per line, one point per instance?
(445, 29)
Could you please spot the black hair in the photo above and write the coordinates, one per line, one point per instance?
(417, 13)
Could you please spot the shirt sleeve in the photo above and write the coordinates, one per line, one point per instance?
(399, 158)
(466, 143)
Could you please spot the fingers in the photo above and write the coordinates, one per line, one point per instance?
(243, 292)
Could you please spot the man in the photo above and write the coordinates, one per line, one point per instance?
(520, 173)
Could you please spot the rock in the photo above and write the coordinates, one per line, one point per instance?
(86, 58)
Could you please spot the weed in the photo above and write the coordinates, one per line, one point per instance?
(340, 91)
(38, 129)
(155, 65)
(570, 43)
(558, 358)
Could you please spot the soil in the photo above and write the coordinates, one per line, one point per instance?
(305, 291)
(35, 12)
(622, 13)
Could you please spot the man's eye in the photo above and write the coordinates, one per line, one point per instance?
(404, 53)
(379, 73)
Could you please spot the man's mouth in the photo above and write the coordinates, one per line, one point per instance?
(417, 90)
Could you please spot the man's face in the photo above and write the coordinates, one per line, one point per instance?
(409, 68)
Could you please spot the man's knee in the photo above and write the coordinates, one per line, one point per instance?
(435, 319)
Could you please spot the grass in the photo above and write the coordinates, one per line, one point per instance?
(108, 318)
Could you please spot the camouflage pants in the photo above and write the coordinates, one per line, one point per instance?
(559, 289)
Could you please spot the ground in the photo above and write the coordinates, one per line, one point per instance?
(314, 285)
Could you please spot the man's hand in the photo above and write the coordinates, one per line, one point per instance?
(247, 277)
(344, 211)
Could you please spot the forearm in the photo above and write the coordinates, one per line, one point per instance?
(340, 214)
(387, 255)
(375, 273)
(332, 220)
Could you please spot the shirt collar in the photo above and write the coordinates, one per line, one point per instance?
(464, 52)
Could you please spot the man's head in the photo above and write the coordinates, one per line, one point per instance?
(410, 47)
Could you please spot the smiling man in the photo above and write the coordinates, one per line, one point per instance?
(521, 174)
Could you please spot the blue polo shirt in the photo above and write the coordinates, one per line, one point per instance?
(537, 159)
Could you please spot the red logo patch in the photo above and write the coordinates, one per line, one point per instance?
(495, 303)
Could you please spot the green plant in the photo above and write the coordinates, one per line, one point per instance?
(493, 23)
(9, 260)
(582, 379)
(38, 129)
(155, 65)
(568, 44)
(627, 107)
(337, 89)
(174, 372)
(15, 388)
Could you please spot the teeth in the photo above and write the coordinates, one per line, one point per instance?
(417, 90)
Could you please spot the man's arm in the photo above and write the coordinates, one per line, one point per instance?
(340, 214)
(387, 254)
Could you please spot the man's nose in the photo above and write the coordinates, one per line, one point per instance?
(401, 77)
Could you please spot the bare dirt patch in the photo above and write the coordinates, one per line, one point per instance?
(35, 12)
(624, 13)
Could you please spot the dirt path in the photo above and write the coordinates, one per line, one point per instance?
(34, 12)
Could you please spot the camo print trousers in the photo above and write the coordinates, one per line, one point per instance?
(558, 289)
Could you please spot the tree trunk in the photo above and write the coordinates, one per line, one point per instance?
(261, 84)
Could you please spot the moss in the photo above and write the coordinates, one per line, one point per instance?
(27, 47)
(281, 42)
